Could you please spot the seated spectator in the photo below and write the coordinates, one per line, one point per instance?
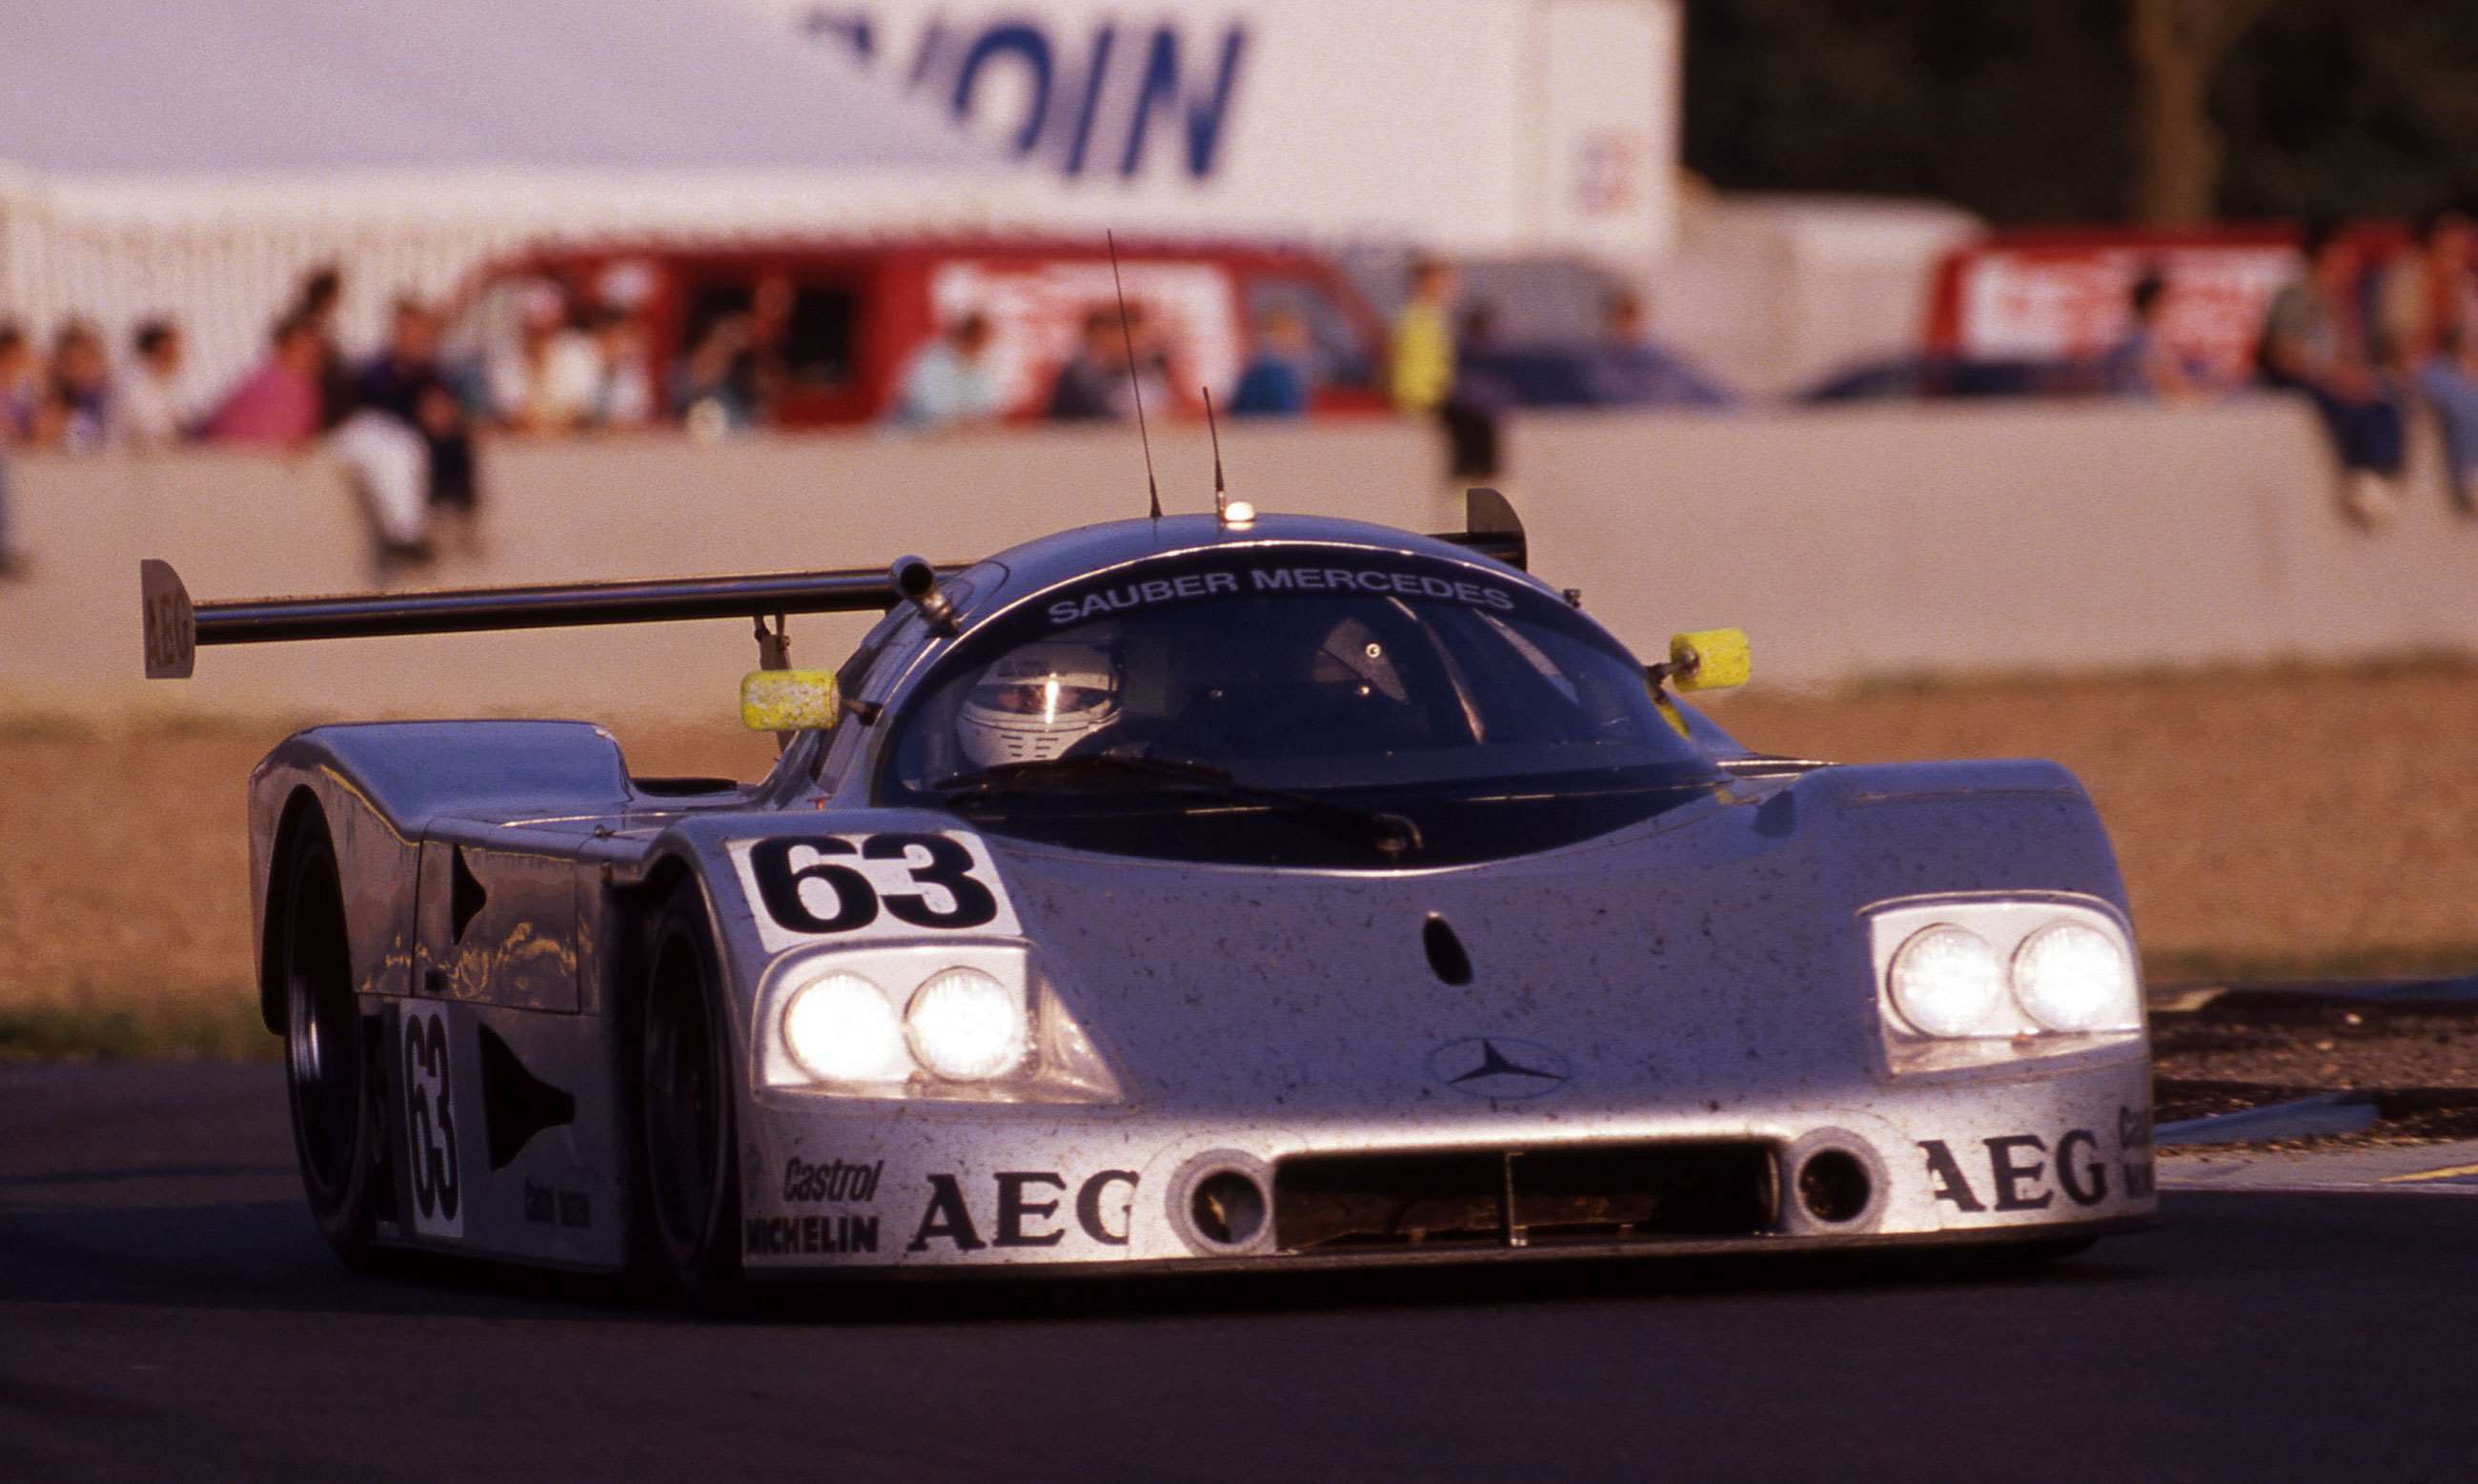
(2448, 380)
(948, 383)
(2141, 364)
(1092, 386)
(147, 412)
(2423, 294)
(77, 417)
(549, 379)
(277, 405)
(2313, 343)
(320, 299)
(407, 383)
(1275, 382)
(1633, 369)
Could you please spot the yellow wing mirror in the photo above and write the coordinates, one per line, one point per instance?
(1706, 660)
(789, 700)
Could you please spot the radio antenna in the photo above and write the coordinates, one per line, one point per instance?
(1220, 500)
(1135, 383)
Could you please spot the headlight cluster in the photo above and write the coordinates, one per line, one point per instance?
(1974, 969)
(968, 1022)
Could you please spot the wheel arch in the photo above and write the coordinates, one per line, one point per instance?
(302, 812)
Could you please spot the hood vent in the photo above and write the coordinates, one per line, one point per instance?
(1446, 953)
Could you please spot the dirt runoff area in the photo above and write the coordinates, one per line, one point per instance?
(2270, 825)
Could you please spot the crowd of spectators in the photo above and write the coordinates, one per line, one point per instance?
(401, 420)
(2370, 342)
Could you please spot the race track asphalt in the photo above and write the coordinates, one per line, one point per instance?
(167, 1310)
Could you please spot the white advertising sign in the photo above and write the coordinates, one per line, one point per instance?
(1479, 126)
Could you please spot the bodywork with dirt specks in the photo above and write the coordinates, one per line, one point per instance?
(1634, 1039)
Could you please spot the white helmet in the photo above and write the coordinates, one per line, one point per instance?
(1038, 702)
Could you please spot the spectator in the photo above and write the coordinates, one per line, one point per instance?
(2141, 364)
(625, 397)
(277, 405)
(1424, 368)
(1142, 341)
(17, 381)
(629, 397)
(407, 383)
(21, 387)
(147, 413)
(547, 382)
(79, 408)
(1092, 386)
(2424, 297)
(1424, 341)
(947, 382)
(771, 303)
(321, 297)
(2314, 343)
(2448, 380)
(1633, 369)
(1275, 382)
(1484, 390)
(715, 386)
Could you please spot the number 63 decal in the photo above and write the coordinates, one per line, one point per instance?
(807, 886)
(430, 1124)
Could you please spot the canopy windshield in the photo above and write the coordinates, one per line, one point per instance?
(1404, 684)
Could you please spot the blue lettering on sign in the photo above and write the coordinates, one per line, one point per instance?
(1012, 40)
(1081, 104)
(1161, 88)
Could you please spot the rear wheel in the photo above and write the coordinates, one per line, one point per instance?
(334, 1128)
(687, 1175)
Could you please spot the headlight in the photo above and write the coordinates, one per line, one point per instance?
(841, 1028)
(969, 1021)
(1945, 980)
(965, 1027)
(1988, 981)
(2072, 977)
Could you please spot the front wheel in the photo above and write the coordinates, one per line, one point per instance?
(688, 1177)
(326, 1066)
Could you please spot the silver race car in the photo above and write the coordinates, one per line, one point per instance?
(1173, 895)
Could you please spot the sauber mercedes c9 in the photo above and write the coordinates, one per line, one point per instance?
(1197, 893)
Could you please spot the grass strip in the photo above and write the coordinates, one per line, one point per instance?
(209, 1028)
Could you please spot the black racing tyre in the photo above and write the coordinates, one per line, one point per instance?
(326, 1060)
(687, 1224)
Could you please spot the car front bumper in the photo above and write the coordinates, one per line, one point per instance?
(834, 1187)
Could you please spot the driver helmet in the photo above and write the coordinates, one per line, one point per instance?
(1038, 702)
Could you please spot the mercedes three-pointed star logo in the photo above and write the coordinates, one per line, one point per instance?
(1499, 1067)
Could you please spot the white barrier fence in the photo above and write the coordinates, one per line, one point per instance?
(1848, 542)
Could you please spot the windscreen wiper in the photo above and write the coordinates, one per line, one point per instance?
(1392, 834)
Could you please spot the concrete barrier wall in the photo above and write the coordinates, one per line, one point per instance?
(1848, 542)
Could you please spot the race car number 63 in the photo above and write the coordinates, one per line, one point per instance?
(950, 896)
(430, 1123)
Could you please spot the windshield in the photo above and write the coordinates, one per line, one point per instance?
(1378, 681)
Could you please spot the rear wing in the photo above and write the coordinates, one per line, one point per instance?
(176, 627)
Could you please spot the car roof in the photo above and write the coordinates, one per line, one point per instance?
(1037, 565)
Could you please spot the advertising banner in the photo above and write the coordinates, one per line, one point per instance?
(1477, 126)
